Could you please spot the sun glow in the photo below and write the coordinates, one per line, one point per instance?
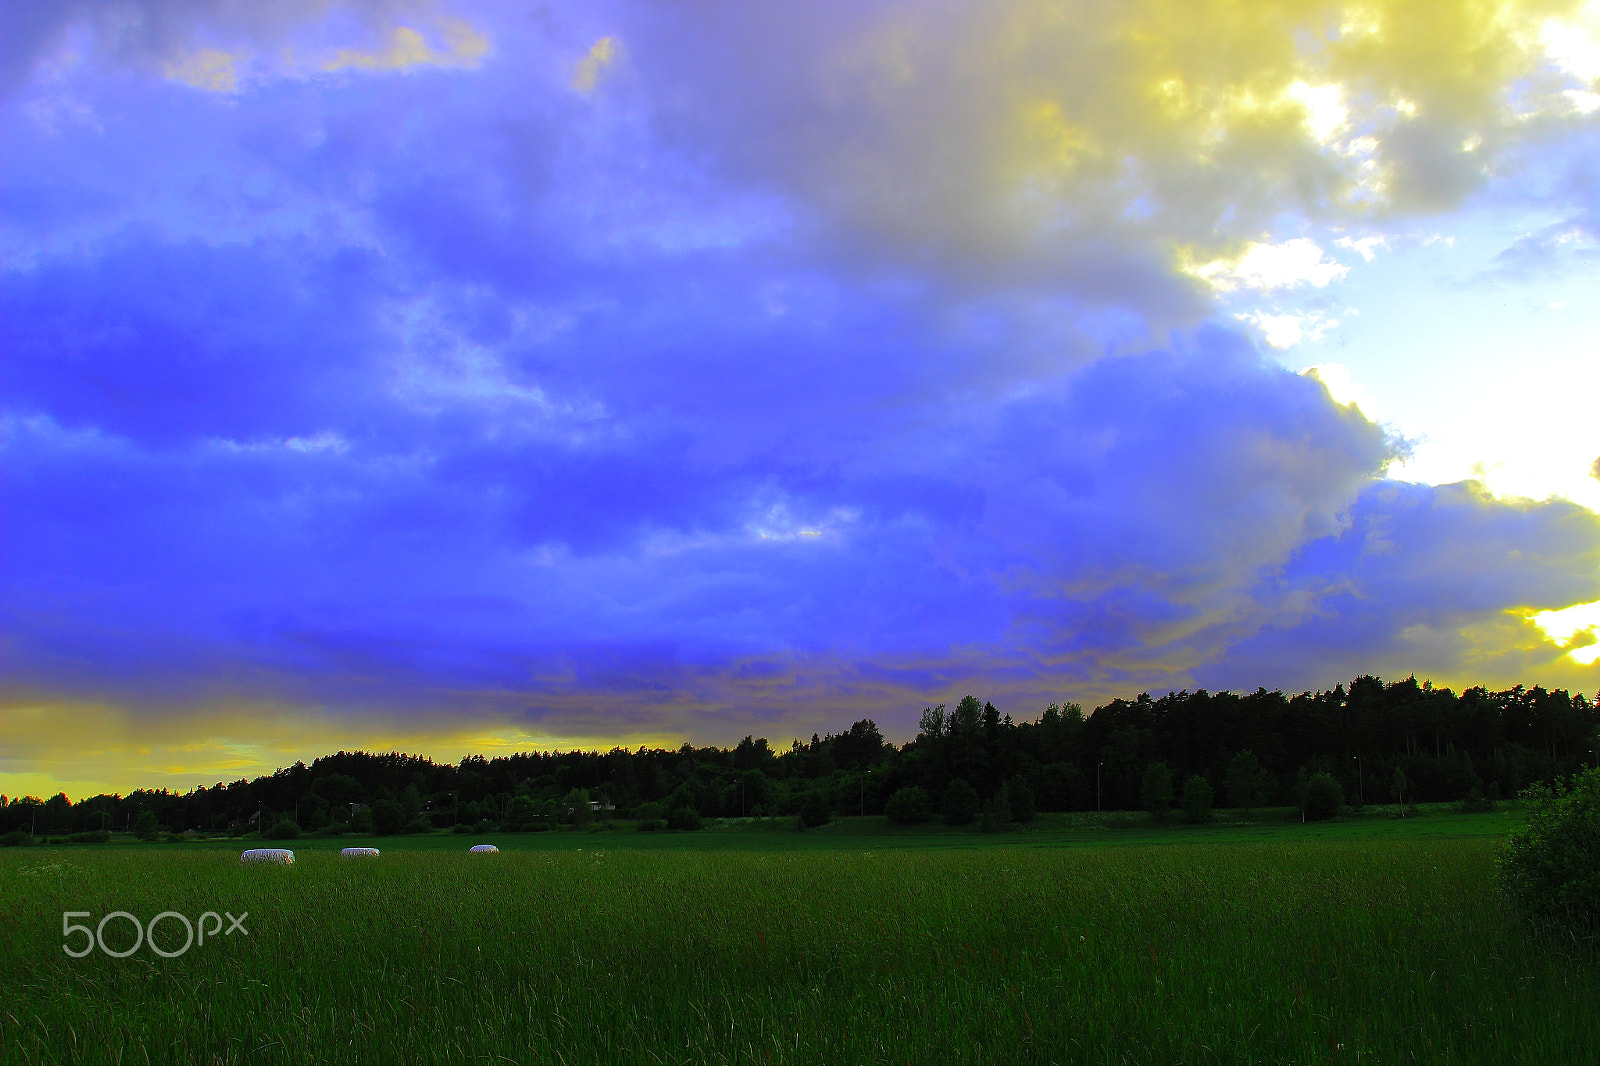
(1574, 628)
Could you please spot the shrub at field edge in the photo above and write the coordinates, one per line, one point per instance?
(1550, 869)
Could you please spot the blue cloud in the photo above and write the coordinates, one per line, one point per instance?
(469, 392)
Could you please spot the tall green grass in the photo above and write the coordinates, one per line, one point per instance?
(1294, 951)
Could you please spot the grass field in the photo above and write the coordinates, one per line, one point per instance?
(1369, 940)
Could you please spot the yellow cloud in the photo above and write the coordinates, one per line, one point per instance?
(1573, 43)
(1200, 122)
(1576, 628)
(1270, 267)
(599, 59)
(406, 48)
(453, 43)
(209, 69)
(82, 749)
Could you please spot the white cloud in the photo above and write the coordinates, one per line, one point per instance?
(1272, 267)
(1366, 247)
(1583, 102)
(326, 441)
(1574, 44)
(1344, 389)
(1326, 113)
(1287, 330)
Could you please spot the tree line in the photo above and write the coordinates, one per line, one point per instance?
(1376, 742)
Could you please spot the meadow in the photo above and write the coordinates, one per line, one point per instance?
(1370, 940)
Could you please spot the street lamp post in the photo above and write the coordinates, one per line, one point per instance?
(1098, 806)
(1361, 783)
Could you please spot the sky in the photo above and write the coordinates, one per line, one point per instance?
(465, 377)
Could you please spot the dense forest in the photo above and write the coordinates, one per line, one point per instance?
(1375, 739)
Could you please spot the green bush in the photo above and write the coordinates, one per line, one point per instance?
(387, 817)
(909, 805)
(1023, 808)
(577, 801)
(98, 836)
(1197, 797)
(1550, 869)
(1246, 783)
(1324, 797)
(683, 818)
(284, 830)
(521, 814)
(17, 838)
(1155, 790)
(960, 802)
(999, 805)
(815, 810)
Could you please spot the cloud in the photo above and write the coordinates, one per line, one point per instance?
(658, 371)
(1272, 268)
(1573, 44)
(217, 46)
(1287, 330)
(1017, 523)
(406, 48)
(1439, 580)
(1574, 627)
(1366, 247)
(206, 69)
(1543, 253)
(601, 56)
(1336, 378)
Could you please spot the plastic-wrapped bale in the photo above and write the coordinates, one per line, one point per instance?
(483, 849)
(280, 856)
(360, 853)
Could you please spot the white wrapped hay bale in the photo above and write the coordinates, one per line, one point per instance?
(360, 853)
(483, 849)
(280, 856)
